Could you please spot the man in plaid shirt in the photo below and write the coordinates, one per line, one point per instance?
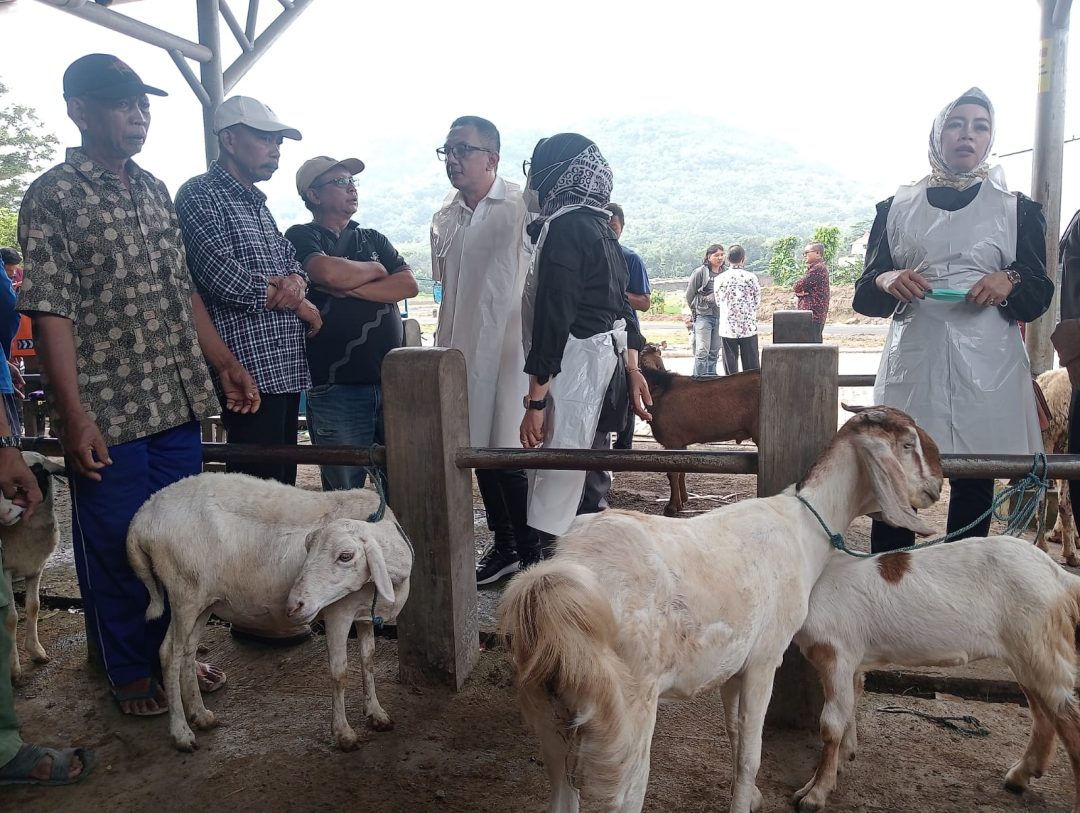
(248, 276)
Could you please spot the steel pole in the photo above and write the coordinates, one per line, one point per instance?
(211, 71)
(1046, 163)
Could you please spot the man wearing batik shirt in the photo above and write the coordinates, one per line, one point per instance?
(119, 330)
(738, 295)
(247, 273)
(813, 289)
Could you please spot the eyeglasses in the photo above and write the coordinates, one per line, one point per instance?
(459, 151)
(347, 180)
(526, 165)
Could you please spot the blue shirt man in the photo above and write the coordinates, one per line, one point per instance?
(637, 294)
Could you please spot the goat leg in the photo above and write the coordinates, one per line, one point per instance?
(171, 654)
(757, 685)
(377, 718)
(1036, 757)
(338, 621)
(673, 505)
(837, 715)
(33, 607)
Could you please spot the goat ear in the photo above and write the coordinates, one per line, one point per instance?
(377, 568)
(309, 540)
(890, 486)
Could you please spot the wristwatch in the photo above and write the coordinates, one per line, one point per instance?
(10, 442)
(1014, 277)
(541, 404)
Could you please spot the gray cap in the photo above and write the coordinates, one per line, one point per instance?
(254, 114)
(310, 170)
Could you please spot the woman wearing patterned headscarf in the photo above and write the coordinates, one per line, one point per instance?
(575, 323)
(957, 260)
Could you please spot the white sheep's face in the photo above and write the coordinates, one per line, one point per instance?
(343, 557)
(9, 511)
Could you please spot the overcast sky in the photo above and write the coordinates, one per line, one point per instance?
(853, 83)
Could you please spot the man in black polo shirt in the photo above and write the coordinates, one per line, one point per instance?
(357, 279)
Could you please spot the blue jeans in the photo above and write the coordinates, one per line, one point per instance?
(113, 597)
(706, 344)
(345, 415)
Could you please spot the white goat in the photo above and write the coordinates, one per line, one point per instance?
(267, 556)
(634, 608)
(946, 605)
(1058, 391)
(27, 545)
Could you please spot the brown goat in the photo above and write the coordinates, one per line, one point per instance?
(689, 410)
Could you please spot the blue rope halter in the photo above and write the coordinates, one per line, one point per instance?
(1031, 488)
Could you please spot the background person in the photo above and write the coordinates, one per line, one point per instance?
(479, 255)
(738, 295)
(638, 291)
(357, 279)
(573, 314)
(812, 290)
(959, 368)
(248, 275)
(701, 297)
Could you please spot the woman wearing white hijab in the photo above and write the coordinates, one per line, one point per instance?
(957, 260)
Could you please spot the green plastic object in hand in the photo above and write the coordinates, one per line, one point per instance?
(947, 294)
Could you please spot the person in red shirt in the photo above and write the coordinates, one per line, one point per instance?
(813, 289)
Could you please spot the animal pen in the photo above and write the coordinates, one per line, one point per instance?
(429, 464)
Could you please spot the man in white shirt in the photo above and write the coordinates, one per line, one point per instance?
(738, 296)
(479, 255)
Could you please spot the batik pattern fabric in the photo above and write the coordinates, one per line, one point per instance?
(111, 259)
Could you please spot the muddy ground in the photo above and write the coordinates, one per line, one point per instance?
(469, 751)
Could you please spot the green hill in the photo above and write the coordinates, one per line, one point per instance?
(685, 182)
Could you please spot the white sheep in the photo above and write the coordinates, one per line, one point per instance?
(997, 597)
(635, 608)
(27, 545)
(267, 556)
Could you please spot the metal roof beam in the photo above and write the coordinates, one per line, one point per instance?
(132, 27)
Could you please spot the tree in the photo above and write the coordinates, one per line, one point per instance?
(783, 266)
(9, 219)
(829, 237)
(24, 147)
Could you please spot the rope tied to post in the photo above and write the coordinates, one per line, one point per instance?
(1030, 490)
(378, 478)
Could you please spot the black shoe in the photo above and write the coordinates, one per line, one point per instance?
(495, 564)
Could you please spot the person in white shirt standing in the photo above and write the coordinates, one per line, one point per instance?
(738, 295)
(480, 257)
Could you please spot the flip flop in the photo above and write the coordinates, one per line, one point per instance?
(154, 692)
(210, 677)
(17, 771)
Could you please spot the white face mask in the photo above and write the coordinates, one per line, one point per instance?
(532, 200)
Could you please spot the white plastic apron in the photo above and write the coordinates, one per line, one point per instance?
(959, 369)
(574, 401)
(482, 267)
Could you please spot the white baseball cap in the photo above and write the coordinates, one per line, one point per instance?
(310, 170)
(254, 114)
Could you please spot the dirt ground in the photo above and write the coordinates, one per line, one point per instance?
(470, 751)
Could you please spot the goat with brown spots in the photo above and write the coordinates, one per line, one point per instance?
(998, 597)
(688, 410)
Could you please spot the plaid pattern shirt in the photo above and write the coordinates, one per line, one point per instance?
(233, 247)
